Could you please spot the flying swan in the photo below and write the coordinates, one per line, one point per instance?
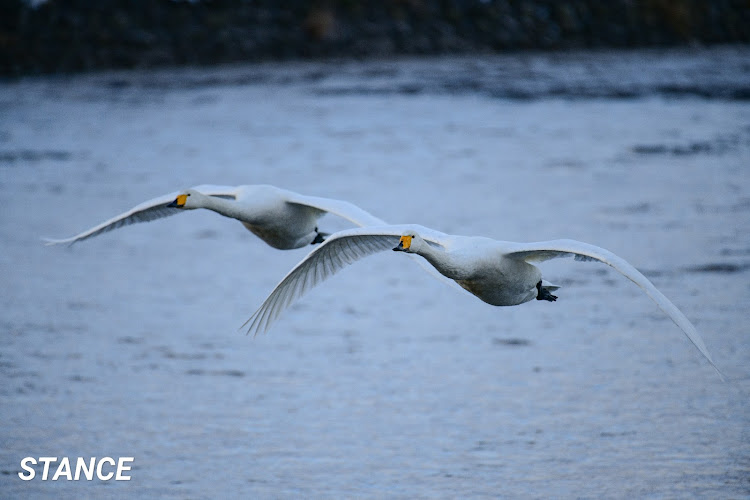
(500, 273)
(283, 219)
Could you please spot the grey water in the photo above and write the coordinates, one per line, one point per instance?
(382, 382)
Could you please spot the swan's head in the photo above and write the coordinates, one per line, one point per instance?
(187, 200)
(410, 243)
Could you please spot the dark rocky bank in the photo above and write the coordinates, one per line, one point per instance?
(80, 35)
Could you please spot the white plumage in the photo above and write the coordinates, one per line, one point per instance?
(500, 273)
(282, 218)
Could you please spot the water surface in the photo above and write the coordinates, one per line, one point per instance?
(382, 382)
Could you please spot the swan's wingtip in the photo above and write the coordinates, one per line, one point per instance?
(713, 365)
(255, 329)
(50, 242)
(704, 350)
(719, 372)
(242, 327)
(247, 332)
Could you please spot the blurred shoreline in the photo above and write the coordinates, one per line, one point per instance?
(68, 36)
(715, 73)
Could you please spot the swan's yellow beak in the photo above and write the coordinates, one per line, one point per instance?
(179, 202)
(403, 244)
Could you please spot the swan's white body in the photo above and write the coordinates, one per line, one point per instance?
(500, 273)
(283, 219)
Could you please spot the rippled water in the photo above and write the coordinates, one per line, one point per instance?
(382, 382)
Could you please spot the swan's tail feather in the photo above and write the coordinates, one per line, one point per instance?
(549, 286)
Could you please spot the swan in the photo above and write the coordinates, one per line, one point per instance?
(283, 219)
(500, 273)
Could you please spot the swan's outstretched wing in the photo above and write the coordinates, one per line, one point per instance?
(337, 251)
(341, 208)
(147, 211)
(541, 251)
(363, 218)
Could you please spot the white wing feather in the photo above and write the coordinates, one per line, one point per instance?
(155, 208)
(341, 208)
(545, 250)
(337, 251)
(363, 218)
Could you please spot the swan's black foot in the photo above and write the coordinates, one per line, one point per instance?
(543, 293)
(319, 237)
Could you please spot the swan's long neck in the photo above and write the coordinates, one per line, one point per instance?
(444, 262)
(227, 208)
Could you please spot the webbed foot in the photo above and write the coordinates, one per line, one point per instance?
(543, 293)
(319, 237)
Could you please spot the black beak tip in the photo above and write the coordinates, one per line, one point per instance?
(173, 204)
